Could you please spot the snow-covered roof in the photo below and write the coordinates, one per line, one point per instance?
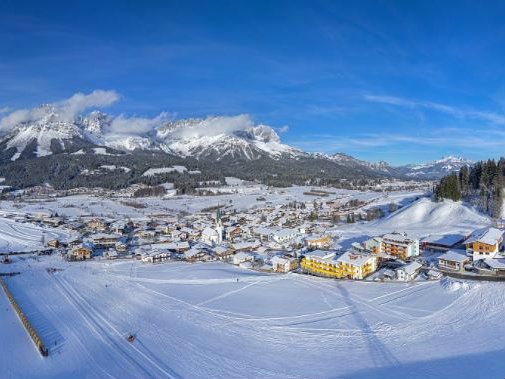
(192, 252)
(444, 239)
(320, 254)
(209, 232)
(398, 237)
(279, 260)
(246, 245)
(454, 256)
(243, 254)
(99, 236)
(497, 264)
(284, 232)
(411, 268)
(354, 258)
(489, 236)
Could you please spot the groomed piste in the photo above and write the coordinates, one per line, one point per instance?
(197, 321)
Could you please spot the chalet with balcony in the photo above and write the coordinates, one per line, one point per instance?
(484, 243)
(453, 261)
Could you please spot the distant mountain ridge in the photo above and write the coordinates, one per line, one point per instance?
(436, 169)
(214, 145)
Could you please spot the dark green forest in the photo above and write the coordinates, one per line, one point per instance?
(481, 184)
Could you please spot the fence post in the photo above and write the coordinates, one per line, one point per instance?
(24, 320)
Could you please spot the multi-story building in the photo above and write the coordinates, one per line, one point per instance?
(400, 245)
(357, 265)
(351, 265)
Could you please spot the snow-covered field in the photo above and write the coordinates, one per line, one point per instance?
(93, 205)
(19, 237)
(197, 321)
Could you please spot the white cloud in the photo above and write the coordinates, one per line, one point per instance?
(283, 129)
(79, 102)
(215, 125)
(122, 125)
(66, 110)
(4, 110)
(491, 117)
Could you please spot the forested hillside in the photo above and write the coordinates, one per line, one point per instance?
(481, 184)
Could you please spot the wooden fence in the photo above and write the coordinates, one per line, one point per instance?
(29, 328)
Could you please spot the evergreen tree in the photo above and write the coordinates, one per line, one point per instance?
(464, 181)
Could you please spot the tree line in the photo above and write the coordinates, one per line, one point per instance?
(481, 184)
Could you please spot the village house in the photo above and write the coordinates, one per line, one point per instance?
(147, 235)
(409, 271)
(121, 247)
(79, 253)
(453, 261)
(53, 221)
(74, 242)
(103, 240)
(442, 243)
(243, 256)
(232, 232)
(485, 243)
(223, 252)
(97, 225)
(318, 242)
(178, 247)
(493, 266)
(53, 243)
(119, 226)
(434, 274)
(284, 264)
(196, 255)
(110, 254)
(246, 246)
(283, 235)
(320, 263)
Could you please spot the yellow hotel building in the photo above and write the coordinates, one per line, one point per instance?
(350, 265)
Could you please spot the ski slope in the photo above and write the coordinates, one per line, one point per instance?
(197, 321)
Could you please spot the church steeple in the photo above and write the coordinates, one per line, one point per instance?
(219, 225)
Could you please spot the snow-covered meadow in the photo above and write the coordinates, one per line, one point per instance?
(197, 321)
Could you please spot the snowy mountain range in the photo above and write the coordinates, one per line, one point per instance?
(221, 141)
(435, 169)
(197, 138)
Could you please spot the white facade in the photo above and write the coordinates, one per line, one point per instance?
(408, 272)
(283, 264)
(241, 257)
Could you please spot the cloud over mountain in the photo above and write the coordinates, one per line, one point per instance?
(65, 110)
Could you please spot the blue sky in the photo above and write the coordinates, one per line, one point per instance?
(404, 81)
